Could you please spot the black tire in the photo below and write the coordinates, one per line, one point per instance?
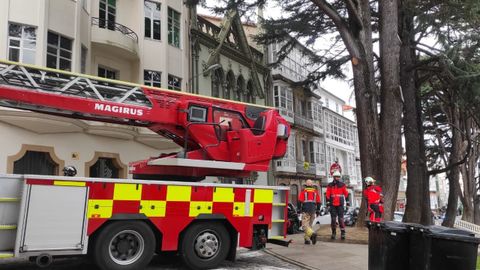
(198, 256)
(132, 242)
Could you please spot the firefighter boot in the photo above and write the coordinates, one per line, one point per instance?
(334, 234)
(307, 242)
(313, 238)
(342, 236)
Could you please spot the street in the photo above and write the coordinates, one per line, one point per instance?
(245, 260)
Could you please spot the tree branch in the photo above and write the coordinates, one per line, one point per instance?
(353, 12)
(343, 29)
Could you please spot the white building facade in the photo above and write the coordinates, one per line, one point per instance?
(145, 42)
(142, 41)
(320, 133)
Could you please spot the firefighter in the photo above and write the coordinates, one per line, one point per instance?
(336, 197)
(373, 195)
(310, 200)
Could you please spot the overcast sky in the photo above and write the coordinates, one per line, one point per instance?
(340, 88)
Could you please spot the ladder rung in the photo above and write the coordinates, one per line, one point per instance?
(9, 200)
(6, 254)
(279, 204)
(278, 221)
(8, 227)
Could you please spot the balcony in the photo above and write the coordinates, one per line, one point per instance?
(287, 114)
(303, 122)
(115, 37)
(286, 165)
(306, 167)
(318, 127)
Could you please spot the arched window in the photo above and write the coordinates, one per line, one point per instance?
(217, 83)
(294, 194)
(104, 168)
(35, 159)
(230, 85)
(106, 165)
(240, 89)
(250, 93)
(35, 162)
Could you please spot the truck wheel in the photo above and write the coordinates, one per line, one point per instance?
(205, 245)
(125, 245)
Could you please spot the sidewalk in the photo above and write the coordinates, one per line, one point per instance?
(322, 255)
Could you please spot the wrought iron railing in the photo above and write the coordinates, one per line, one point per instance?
(111, 25)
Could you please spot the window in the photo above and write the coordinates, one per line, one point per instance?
(35, 162)
(22, 43)
(173, 28)
(83, 59)
(105, 168)
(152, 78)
(152, 20)
(283, 99)
(312, 151)
(107, 14)
(59, 52)
(174, 83)
(108, 73)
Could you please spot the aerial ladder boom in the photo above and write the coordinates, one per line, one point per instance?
(219, 137)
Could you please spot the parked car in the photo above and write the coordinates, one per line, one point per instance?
(294, 219)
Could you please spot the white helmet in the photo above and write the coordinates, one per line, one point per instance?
(336, 174)
(369, 180)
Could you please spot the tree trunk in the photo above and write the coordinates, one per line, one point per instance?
(391, 105)
(454, 173)
(417, 184)
(467, 198)
(476, 209)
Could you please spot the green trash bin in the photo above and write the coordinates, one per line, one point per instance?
(442, 248)
(388, 244)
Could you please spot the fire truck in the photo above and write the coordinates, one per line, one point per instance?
(122, 223)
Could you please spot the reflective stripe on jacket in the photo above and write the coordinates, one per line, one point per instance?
(337, 193)
(309, 197)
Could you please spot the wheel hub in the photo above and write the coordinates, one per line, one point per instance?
(206, 245)
(126, 247)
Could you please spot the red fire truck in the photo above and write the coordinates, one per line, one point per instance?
(122, 223)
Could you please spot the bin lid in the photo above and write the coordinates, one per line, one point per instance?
(453, 234)
(389, 226)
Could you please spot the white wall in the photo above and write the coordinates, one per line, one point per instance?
(64, 144)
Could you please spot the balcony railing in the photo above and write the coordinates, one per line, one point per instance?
(306, 167)
(304, 122)
(113, 26)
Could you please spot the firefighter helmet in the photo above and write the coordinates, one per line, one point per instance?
(69, 171)
(336, 174)
(369, 180)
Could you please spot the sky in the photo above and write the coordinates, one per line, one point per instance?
(340, 88)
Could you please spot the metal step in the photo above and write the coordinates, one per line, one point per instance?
(6, 254)
(8, 233)
(8, 227)
(9, 200)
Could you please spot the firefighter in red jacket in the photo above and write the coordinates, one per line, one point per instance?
(310, 200)
(373, 195)
(336, 197)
